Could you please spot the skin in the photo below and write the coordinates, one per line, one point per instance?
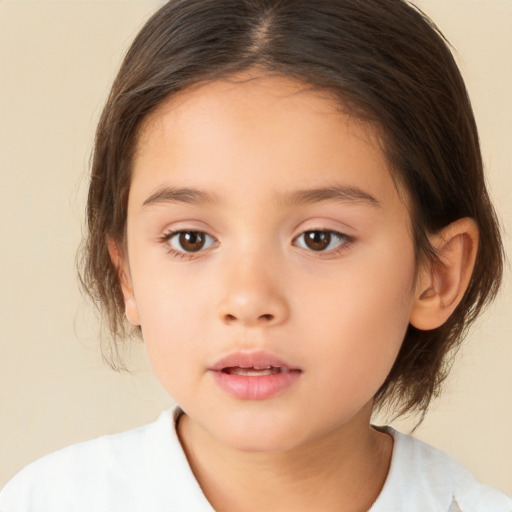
(339, 315)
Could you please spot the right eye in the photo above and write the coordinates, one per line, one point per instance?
(189, 241)
(322, 240)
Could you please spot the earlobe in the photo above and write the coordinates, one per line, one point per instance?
(441, 284)
(123, 274)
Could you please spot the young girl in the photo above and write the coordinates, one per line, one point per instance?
(287, 204)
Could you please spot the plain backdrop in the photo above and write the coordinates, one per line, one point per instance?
(57, 60)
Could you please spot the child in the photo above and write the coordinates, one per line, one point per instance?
(287, 203)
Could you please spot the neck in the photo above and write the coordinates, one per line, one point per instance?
(343, 470)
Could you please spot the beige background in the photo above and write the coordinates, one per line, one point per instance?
(57, 59)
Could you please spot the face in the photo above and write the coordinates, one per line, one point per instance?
(269, 261)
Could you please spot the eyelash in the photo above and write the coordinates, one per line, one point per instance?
(346, 242)
(182, 255)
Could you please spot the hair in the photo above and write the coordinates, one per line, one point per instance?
(386, 63)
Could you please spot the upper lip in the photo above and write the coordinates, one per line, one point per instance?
(251, 359)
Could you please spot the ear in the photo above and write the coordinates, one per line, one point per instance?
(125, 280)
(441, 284)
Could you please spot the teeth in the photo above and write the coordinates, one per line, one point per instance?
(254, 371)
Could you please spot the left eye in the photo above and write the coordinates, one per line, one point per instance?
(190, 241)
(320, 240)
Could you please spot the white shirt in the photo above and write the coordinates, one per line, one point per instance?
(146, 470)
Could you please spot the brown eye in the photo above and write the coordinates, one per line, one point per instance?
(190, 241)
(321, 240)
(317, 240)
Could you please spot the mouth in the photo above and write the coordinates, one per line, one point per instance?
(255, 371)
(253, 364)
(254, 375)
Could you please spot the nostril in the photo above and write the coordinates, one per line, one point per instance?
(267, 317)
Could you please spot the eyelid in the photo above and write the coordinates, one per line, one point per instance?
(345, 242)
(170, 234)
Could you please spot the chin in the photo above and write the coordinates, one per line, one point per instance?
(262, 433)
(261, 442)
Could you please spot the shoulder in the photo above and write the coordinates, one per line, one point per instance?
(425, 478)
(116, 472)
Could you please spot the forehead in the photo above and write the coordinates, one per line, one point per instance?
(268, 132)
(237, 99)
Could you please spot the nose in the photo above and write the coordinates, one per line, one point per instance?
(252, 295)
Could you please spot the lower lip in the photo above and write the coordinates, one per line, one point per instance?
(255, 388)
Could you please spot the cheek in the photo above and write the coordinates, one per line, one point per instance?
(172, 318)
(360, 316)
(172, 339)
(167, 298)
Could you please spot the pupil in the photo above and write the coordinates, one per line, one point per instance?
(191, 241)
(318, 240)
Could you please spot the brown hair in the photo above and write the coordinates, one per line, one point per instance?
(386, 62)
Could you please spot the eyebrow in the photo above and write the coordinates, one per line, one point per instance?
(180, 195)
(340, 193)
